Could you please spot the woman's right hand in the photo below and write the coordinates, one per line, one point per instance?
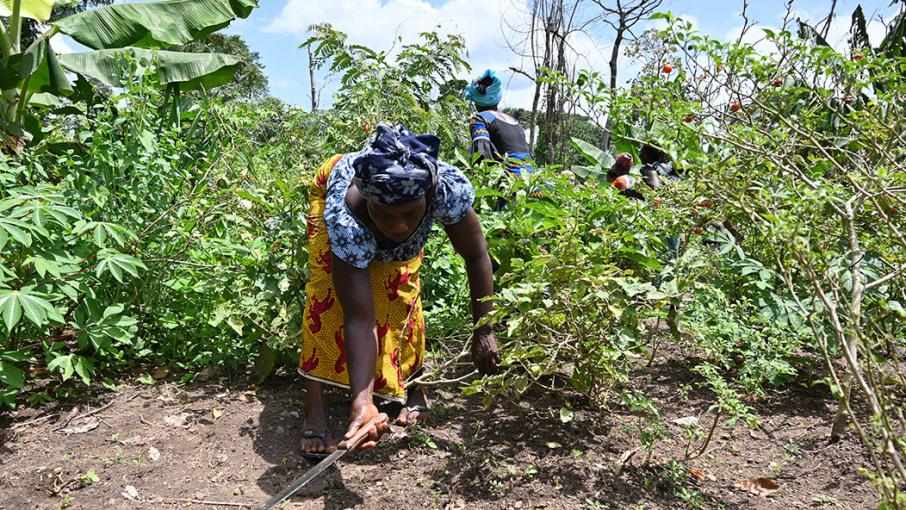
(484, 351)
(362, 419)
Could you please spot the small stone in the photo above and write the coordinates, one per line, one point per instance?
(130, 492)
(687, 421)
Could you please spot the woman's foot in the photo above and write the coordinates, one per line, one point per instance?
(316, 441)
(416, 408)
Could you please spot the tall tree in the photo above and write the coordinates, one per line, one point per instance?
(250, 82)
(622, 16)
(546, 44)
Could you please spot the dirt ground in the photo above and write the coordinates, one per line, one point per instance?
(223, 445)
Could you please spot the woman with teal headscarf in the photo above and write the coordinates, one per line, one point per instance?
(495, 135)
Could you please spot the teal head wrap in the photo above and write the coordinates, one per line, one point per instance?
(487, 90)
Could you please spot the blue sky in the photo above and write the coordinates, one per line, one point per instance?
(277, 27)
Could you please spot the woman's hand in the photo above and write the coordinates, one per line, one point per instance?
(361, 418)
(484, 351)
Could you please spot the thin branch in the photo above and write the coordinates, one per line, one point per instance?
(885, 278)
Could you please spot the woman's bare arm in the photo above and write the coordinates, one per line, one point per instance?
(353, 287)
(468, 240)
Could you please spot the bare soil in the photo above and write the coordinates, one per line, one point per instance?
(223, 445)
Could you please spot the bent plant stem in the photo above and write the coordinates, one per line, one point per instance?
(23, 100)
(655, 343)
(710, 435)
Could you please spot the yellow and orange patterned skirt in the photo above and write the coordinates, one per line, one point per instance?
(396, 289)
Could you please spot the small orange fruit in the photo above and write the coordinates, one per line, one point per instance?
(858, 56)
(735, 107)
(668, 69)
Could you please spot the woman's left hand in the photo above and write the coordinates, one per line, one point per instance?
(484, 352)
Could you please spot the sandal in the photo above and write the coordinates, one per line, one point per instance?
(316, 434)
(416, 408)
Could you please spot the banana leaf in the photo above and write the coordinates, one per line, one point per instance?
(45, 99)
(858, 33)
(40, 63)
(152, 24)
(192, 71)
(593, 154)
(894, 43)
(17, 67)
(34, 9)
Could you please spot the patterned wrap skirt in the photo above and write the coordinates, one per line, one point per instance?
(396, 290)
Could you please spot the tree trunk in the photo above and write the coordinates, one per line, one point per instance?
(615, 54)
(533, 128)
(841, 419)
(614, 57)
(311, 78)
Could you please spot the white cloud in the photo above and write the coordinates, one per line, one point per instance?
(488, 26)
(377, 24)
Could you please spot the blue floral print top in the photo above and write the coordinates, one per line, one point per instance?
(354, 243)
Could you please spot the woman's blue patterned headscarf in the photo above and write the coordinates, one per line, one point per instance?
(396, 166)
(487, 90)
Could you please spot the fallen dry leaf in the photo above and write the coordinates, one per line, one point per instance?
(88, 426)
(763, 487)
(153, 454)
(701, 475)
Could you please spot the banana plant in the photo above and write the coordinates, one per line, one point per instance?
(114, 32)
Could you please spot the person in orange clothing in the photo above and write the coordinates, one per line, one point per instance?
(370, 216)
